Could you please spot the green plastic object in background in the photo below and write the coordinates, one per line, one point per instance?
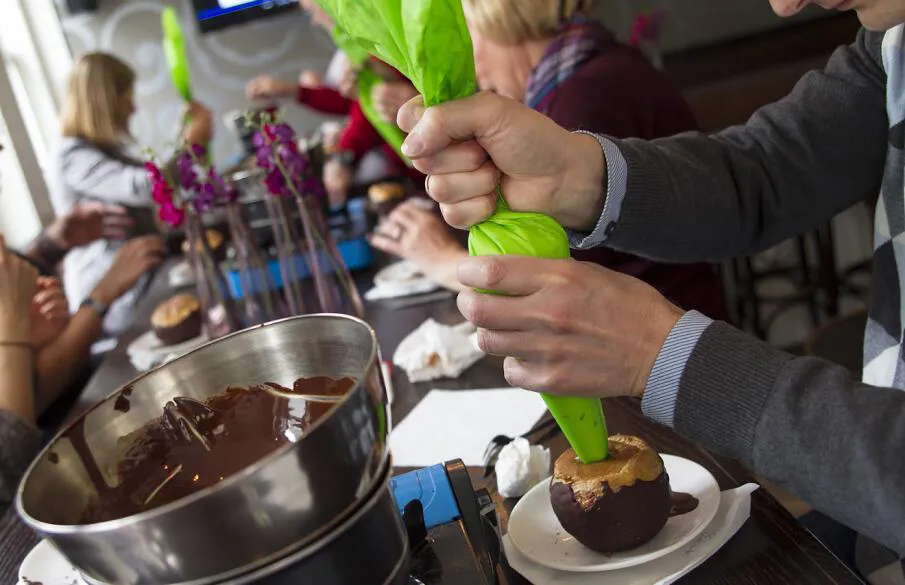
(367, 79)
(174, 52)
(428, 41)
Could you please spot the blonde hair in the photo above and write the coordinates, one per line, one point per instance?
(513, 22)
(95, 106)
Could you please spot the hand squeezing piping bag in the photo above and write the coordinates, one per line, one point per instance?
(428, 41)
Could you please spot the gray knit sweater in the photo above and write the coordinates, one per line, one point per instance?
(803, 422)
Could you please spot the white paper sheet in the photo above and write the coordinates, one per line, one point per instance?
(458, 424)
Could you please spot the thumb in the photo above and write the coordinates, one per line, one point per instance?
(433, 129)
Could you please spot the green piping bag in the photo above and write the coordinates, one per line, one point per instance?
(428, 41)
(174, 52)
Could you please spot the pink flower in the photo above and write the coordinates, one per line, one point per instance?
(171, 214)
(153, 171)
(161, 193)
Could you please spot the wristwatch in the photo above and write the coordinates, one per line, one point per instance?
(97, 306)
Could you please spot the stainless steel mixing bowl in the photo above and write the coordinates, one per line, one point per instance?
(281, 503)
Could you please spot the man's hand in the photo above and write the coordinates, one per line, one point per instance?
(469, 146)
(389, 97)
(567, 327)
(200, 127)
(268, 87)
(88, 222)
(135, 259)
(49, 312)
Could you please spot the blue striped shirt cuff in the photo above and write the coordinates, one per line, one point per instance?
(617, 181)
(659, 402)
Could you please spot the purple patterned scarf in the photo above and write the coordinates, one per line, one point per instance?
(577, 41)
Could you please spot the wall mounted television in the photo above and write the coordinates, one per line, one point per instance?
(218, 14)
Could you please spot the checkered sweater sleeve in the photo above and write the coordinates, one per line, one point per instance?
(793, 166)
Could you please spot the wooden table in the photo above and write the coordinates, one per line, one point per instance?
(772, 548)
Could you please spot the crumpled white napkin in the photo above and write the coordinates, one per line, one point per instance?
(520, 466)
(181, 275)
(734, 510)
(435, 351)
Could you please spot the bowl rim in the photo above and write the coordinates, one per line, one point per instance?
(58, 530)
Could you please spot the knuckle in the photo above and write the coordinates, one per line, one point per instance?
(455, 216)
(495, 269)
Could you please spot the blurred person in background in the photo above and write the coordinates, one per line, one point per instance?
(352, 160)
(552, 56)
(94, 163)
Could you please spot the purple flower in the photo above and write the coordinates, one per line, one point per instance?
(199, 151)
(284, 133)
(276, 183)
(260, 140)
(205, 196)
(265, 158)
(231, 195)
(187, 175)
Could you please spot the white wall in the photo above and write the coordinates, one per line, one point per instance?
(221, 62)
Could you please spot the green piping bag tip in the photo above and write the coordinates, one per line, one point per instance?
(583, 424)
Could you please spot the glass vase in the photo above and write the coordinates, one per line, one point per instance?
(257, 286)
(289, 247)
(218, 310)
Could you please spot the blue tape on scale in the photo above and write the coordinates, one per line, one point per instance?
(431, 486)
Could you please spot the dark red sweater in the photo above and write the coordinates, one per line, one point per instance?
(620, 94)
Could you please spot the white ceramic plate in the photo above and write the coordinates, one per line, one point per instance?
(45, 565)
(536, 532)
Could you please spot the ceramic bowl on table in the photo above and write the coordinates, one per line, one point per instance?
(282, 503)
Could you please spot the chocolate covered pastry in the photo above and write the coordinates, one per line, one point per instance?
(177, 320)
(613, 505)
(384, 197)
(215, 241)
(197, 444)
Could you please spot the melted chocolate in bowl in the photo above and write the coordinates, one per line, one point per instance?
(195, 445)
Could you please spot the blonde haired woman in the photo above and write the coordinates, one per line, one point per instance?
(552, 56)
(94, 164)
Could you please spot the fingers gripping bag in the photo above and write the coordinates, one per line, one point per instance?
(428, 41)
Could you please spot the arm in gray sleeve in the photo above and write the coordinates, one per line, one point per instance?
(95, 175)
(802, 422)
(793, 166)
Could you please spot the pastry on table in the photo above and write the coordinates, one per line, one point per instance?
(384, 197)
(215, 241)
(614, 505)
(177, 320)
